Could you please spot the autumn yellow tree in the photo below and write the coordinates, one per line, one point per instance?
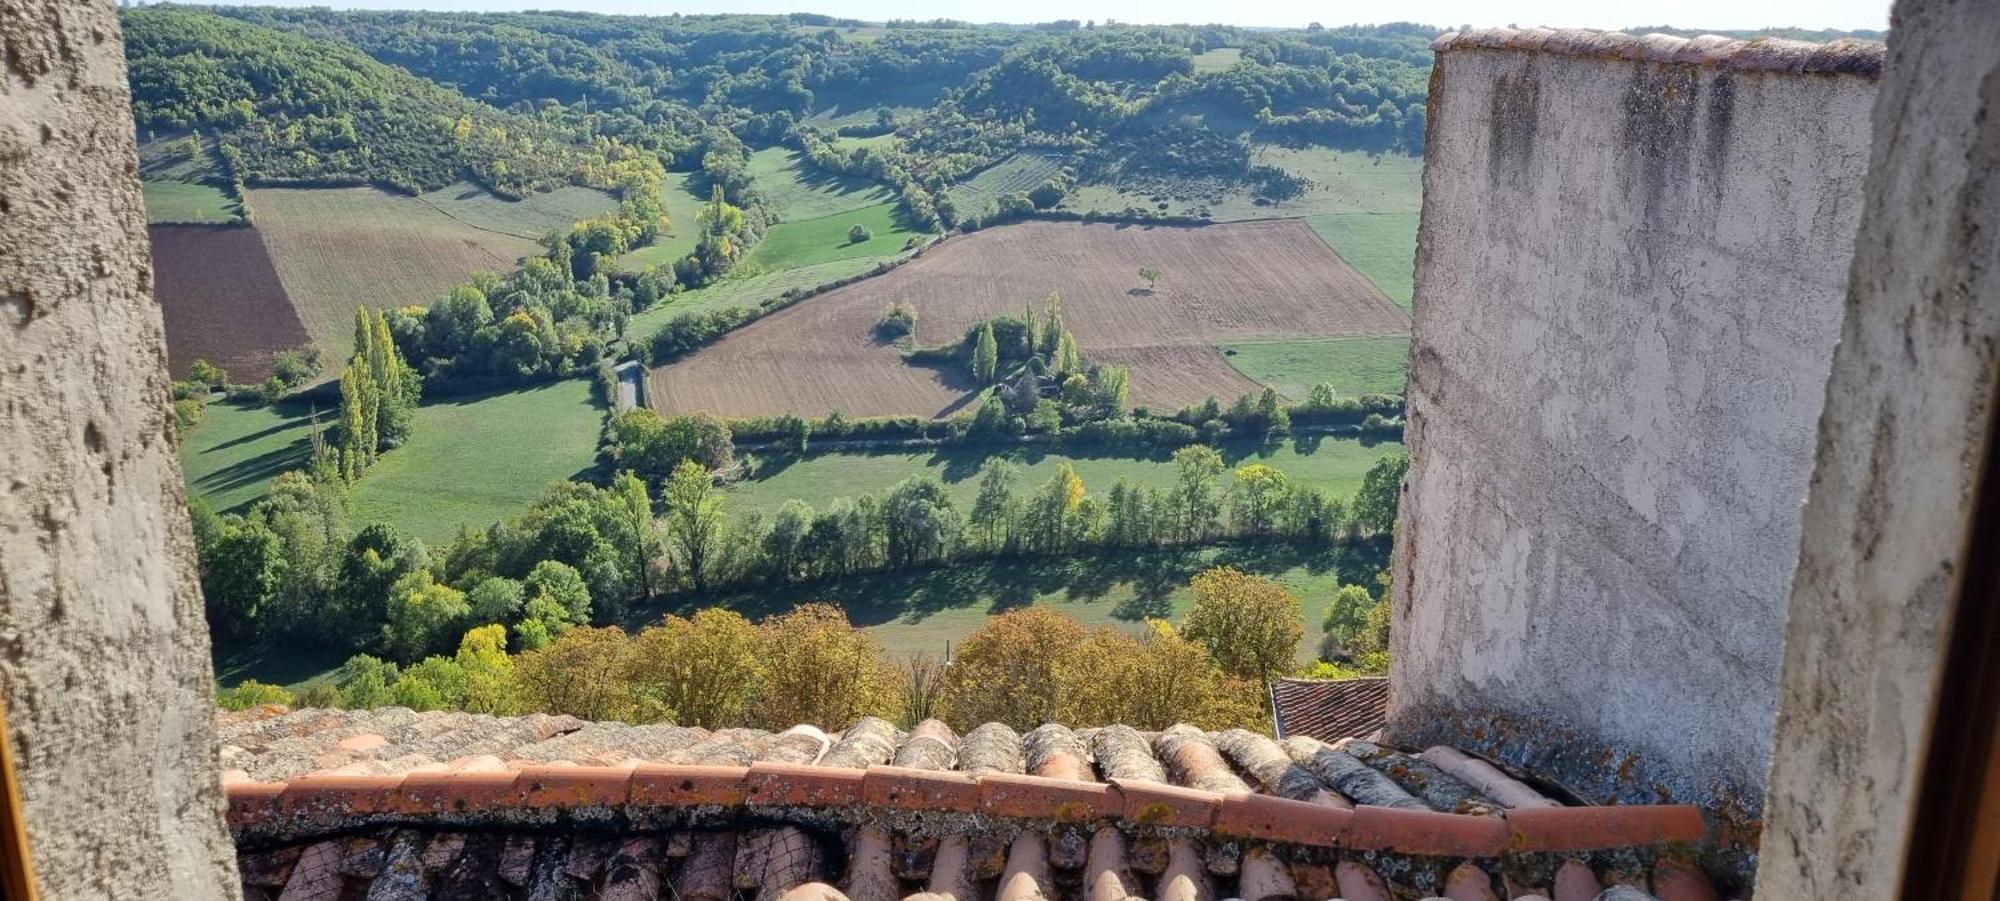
(1019, 668)
(819, 669)
(580, 674)
(703, 671)
(1251, 626)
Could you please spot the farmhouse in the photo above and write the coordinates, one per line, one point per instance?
(1603, 558)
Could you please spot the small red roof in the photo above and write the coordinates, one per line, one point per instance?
(1330, 709)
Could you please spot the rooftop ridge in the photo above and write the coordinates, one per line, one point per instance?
(1846, 56)
(325, 804)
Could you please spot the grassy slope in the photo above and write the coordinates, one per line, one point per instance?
(682, 206)
(1217, 60)
(818, 479)
(337, 249)
(920, 611)
(746, 290)
(477, 460)
(184, 202)
(1353, 366)
(797, 192)
(531, 217)
(474, 460)
(179, 188)
(231, 456)
(1381, 246)
(790, 245)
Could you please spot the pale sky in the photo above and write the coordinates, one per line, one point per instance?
(1713, 14)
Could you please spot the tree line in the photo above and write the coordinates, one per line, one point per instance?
(291, 567)
(717, 669)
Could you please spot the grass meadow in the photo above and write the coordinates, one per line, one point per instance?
(472, 460)
(809, 242)
(797, 192)
(1353, 366)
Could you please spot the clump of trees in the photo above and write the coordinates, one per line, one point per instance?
(898, 321)
(717, 669)
(378, 394)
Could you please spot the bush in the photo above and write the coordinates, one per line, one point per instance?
(896, 322)
(252, 693)
(858, 233)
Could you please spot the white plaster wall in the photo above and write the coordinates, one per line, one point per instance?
(1911, 390)
(1629, 284)
(103, 649)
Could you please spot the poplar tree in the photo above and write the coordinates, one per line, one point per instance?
(985, 355)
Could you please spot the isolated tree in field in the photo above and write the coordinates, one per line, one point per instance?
(1152, 276)
(985, 355)
(1194, 505)
(207, 374)
(858, 233)
(1381, 487)
(820, 669)
(705, 671)
(694, 520)
(1250, 625)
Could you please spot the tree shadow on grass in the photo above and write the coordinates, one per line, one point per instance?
(999, 585)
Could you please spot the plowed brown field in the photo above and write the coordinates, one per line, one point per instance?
(221, 300)
(1233, 282)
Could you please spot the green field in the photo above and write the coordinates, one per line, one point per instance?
(1353, 366)
(480, 459)
(683, 204)
(182, 202)
(231, 456)
(747, 289)
(921, 611)
(1217, 60)
(1381, 246)
(475, 460)
(797, 192)
(809, 242)
(183, 188)
(531, 217)
(1335, 464)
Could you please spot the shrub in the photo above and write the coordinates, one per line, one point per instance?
(858, 233)
(252, 693)
(896, 322)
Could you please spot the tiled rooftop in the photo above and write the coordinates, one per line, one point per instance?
(395, 804)
(1330, 709)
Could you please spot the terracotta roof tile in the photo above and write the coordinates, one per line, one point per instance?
(459, 805)
(1330, 709)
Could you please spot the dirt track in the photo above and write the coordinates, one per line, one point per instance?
(1272, 279)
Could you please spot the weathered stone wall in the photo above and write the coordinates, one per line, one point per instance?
(1911, 390)
(1628, 288)
(103, 650)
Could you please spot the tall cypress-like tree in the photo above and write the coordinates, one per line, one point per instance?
(1033, 330)
(1053, 332)
(985, 355)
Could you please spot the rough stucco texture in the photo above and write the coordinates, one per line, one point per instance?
(1629, 283)
(103, 650)
(1911, 391)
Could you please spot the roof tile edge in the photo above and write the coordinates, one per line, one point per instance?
(319, 803)
(1845, 56)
